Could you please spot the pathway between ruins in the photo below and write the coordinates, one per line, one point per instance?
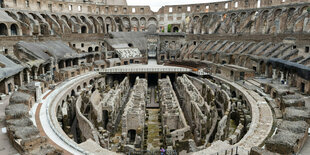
(153, 132)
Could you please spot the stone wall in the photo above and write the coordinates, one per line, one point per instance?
(133, 118)
(86, 127)
(173, 119)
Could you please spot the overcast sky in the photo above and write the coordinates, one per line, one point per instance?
(157, 4)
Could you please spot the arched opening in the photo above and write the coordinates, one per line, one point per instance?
(105, 118)
(3, 29)
(72, 92)
(84, 85)
(75, 61)
(78, 89)
(43, 29)
(61, 64)
(96, 48)
(90, 49)
(175, 29)
(83, 29)
(14, 30)
(132, 135)
(91, 82)
(233, 94)
(130, 45)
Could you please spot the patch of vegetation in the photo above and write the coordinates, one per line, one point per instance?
(169, 27)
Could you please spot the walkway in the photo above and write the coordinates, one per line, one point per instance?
(153, 135)
(43, 119)
(151, 67)
(152, 103)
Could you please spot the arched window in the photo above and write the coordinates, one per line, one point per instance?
(83, 29)
(14, 30)
(3, 29)
(96, 48)
(175, 29)
(90, 49)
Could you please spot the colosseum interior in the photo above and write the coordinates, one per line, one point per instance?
(103, 77)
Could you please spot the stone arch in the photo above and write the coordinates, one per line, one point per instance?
(35, 17)
(119, 25)
(303, 9)
(197, 25)
(291, 18)
(109, 25)
(83, 19)
(264, 22)
(277, 23)
(96, 48)
(142, 24)
(66, 20)
(73, 18)
(205, 22)
(102, 25)
(84, 85)
(83, 29)
(53, 23)
(78, 89)
(90, 49)
(243, 14)
(96, 24)
(134, 24)
(152, 24)
(44, 29)
(233, 94)
(91, 82)
(291, 11)
(277, 12)
(54, 17)
(3, 29)
(126, 24)
(72, 92)
(27, 24)
(175, 29)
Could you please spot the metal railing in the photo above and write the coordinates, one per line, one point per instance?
(145, 70)
(233, 151)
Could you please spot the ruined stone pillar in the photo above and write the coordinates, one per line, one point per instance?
(71, 63)
(36, 73)
(274, 74)
(282, 76)
(286, 77)
(266, 71)
(20, 79)
(42, 70)
(28, 76)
